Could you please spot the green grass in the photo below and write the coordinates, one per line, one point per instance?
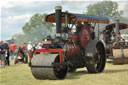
(20, 74)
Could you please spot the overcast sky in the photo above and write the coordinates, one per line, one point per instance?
(15, 13)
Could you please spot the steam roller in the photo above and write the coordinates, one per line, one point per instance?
(116, 45)
(69, 49)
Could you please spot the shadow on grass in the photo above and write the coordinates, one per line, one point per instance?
(110, 71)
(76, 75)
(110, 61)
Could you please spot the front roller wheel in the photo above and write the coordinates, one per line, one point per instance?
(47, 72)
(97, 62)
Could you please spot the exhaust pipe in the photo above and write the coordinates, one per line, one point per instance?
(117, 27)
(58, 19)
(117, 30)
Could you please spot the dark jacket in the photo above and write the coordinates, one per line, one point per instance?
(2, 47)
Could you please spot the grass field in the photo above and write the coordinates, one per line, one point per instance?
(20, 74)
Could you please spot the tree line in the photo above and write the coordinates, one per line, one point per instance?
(36, 28)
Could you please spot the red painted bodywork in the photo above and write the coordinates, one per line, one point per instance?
(59, 51)
(85, 36)
(47, 42)
(73, 37)
(73, 49)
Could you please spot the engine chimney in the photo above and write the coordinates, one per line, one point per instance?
(117, 27)
(58, 19)
(117, 30)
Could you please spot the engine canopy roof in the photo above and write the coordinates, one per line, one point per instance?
(121, 26)
(77, 17)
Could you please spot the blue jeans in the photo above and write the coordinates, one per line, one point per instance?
(12, 56)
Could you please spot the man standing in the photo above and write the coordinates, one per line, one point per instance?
(7, 53)
(12, 50)
(92, 33)
(29, 48)
(2, 54)
(24, 48)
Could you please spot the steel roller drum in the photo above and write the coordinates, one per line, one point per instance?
(48, 72)
(118, 58)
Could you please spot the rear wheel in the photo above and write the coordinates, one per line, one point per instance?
(97, 63)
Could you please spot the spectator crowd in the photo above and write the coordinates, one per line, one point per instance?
(9, 52)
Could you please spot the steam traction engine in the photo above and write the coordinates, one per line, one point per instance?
(116, 46)
(69, 49)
